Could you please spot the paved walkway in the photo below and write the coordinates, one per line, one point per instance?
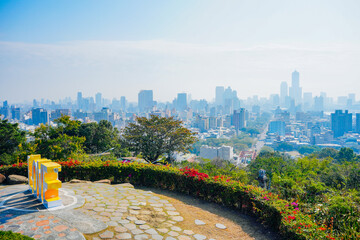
(99, 211)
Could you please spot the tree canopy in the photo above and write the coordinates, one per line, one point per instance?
(11, 140)
(157, 136)
(71, 137)
(10, 137)
(55, 143)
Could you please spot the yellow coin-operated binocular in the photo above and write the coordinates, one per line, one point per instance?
(43, 180)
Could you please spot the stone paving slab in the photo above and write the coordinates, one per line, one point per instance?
(95, 211)
(21, 212)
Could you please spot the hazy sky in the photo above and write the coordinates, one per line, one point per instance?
(53, 49)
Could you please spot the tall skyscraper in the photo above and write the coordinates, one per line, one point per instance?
(319, 104)
(98, 100)
(40, 115)
(230, 100)
(5, 110)
(181, 102)
(145, 100)
(35, 103)
(123, 103)
(341, 122)
(219, 95)
(358, 122)
(275, 99)
(295, 90)
(308, 100)
(284, 89)
(79, 100)
(239, 119)
(352, 97)
(15, 113)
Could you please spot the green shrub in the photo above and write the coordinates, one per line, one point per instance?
(8, 235)
(277, 213)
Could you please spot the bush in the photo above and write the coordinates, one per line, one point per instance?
(277, 213)
(6, 158)
(8, 235)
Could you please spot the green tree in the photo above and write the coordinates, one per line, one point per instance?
(53, 144)
(333, 178)
(101, 137)
(284, 146)
(157, 136)
(71, 137)
(353, 180)
(11, 138)
(252, 131)
(272, 163)
(266, 149)
(326, 153)
(346, 155)
(67, 126)
(308, 149)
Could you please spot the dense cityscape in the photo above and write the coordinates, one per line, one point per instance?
(293, 121)
(180, 120)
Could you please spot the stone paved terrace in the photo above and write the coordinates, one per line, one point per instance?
(101, 211)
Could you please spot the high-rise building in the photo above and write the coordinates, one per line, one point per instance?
(98, 100)
(342, 100)
(202, 123)
(102, 115)
(239, 119)
(295, 90)
(256, 109)
(15, 113)
(230, 100)
(181, 102)
(358, 122)
(35, 103)
(213, 112)
(79, 100)
(213, 122)
(40, 115)
(219, 95)
(59, 112)
(308, 100)
(277, 127)
(275, 99)
(319, 104)
(283, 92)
(341, 122)
(145, 100)
(123, 103)
(5, 110)
(352, 97)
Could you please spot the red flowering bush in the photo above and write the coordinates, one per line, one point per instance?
(70, 163)
(277, 213)
(194, 173)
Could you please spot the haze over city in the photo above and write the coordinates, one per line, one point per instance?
(180, 119)
(55, 49)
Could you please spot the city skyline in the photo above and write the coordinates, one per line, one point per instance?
(52, 49)
(287, 90)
